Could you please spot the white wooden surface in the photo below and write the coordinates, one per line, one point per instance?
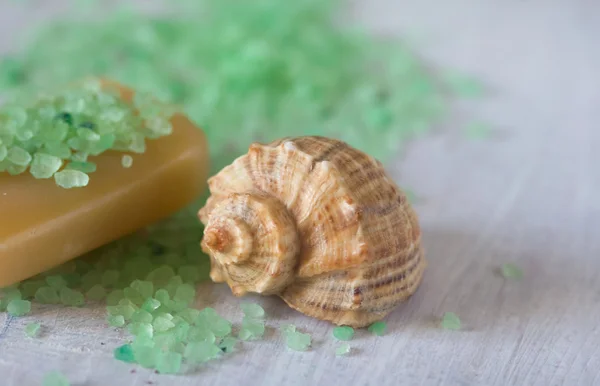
(529, 196)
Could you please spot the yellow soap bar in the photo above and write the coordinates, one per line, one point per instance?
(43, 225)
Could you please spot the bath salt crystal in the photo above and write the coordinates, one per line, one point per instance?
(343, 332)
(18, 307)
(71, 179)
(253, 310)
(342, 350)
(378, 328)
(32, 330)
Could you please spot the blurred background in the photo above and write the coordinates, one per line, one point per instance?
(485, 111)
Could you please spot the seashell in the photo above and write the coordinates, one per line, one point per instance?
(319, 224)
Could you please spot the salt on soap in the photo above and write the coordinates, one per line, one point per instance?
(50, 225)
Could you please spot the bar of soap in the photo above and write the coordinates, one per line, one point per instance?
(43, 225)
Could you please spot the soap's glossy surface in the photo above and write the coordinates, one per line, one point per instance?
(43, 225)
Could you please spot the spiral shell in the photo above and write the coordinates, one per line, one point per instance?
(318, 223)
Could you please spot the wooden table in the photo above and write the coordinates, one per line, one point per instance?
(529, 195)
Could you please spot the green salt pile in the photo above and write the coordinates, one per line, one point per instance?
(52, 131)
(158, 311)
(269, 69)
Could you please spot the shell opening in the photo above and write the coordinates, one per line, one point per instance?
(253, 243)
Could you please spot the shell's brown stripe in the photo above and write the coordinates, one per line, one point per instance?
(352, 318)
(389, 300)
(401, 292)
(396, 295)
(324, 306)
(308, 303)
(393, 294)
(374, 187)
(379, 298)
(351, 164)
(402, 268)
(385, 244)
(382, 209)
(382, 226)
(388, 234)
(395, 276)
(392, 263)
(330, 152)
(363, 183)
(356, 171)
(404, 292)
(314, 145)
(352, 174)
(273, 182)
(389, 266)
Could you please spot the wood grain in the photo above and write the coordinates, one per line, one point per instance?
(528, 195)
